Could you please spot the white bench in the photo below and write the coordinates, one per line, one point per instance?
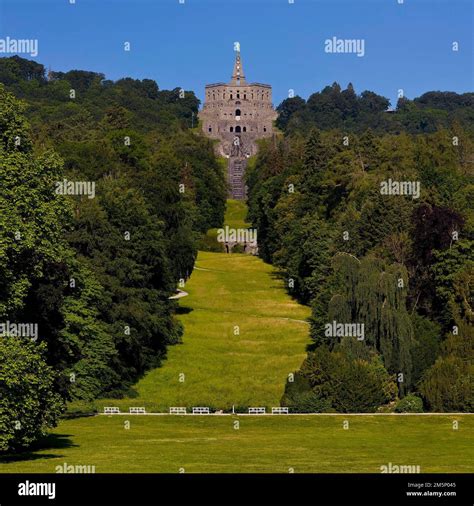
(279, 411)
(177, 411)
(111, 410)
(257, 411)
(138, 411)
(200, 411)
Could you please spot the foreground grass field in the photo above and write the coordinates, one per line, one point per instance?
(261, 444)
(222, 368)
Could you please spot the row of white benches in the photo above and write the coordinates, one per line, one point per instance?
(195, 411)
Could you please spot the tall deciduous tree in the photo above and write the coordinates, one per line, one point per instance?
(29, 405)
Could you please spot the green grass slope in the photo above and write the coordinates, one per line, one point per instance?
(243, 335)
(316, 444)
(236, 212)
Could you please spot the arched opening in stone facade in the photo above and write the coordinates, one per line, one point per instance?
(231, 129)
(237, 129)
(244, 129)
(237, 113)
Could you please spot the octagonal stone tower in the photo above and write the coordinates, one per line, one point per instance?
(237, 114)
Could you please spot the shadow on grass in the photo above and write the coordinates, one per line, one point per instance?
(282, 277)
(50, 442)
(184, 310)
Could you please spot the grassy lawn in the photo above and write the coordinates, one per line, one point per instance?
(222, 368)
(217, 365)
(236, 211)
(262, 444)
(235, 214)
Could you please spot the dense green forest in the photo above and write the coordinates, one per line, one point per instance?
(334, 107)
(93, 271)
(400, 264)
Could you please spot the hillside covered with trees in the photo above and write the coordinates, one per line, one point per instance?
(400, 264)
(93, 271)
(334, 107)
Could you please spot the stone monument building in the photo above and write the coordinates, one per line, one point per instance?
(237, 114)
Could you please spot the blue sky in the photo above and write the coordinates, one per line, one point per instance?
(407, 46)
